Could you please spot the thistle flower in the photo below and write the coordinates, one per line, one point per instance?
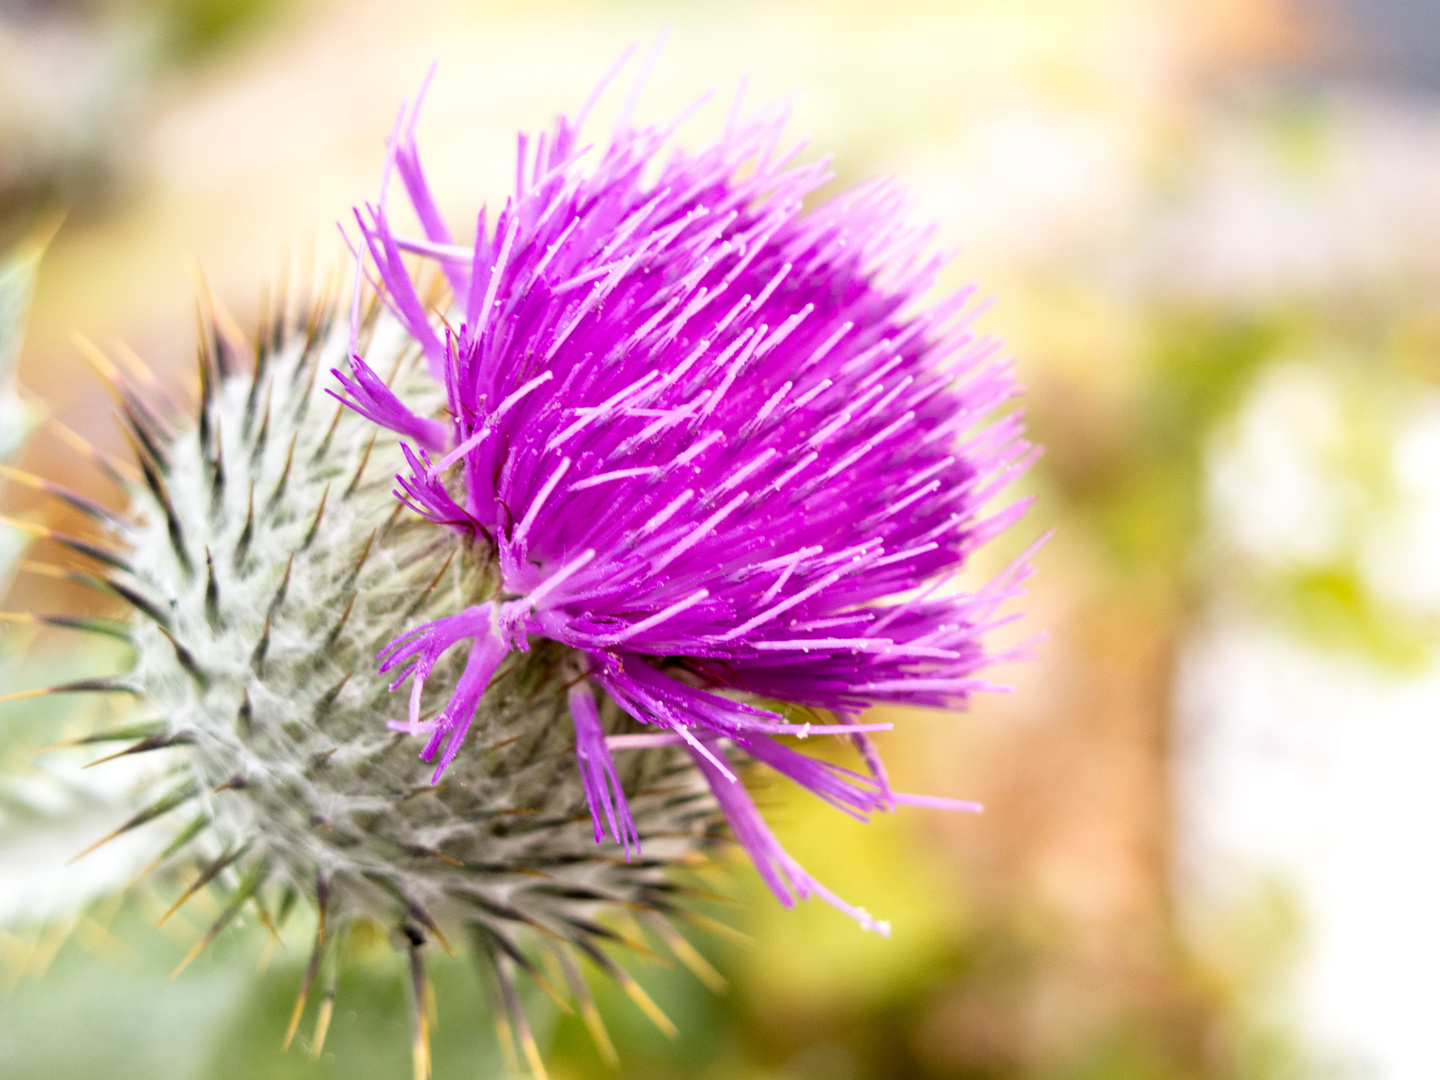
(683, 471)
(709, 448)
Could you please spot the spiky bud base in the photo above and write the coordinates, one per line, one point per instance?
(269, 563)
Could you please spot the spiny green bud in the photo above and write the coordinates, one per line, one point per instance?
(269, 562)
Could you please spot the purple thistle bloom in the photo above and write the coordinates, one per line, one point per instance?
(714, 448)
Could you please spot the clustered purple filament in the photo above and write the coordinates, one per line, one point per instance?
(713, 448)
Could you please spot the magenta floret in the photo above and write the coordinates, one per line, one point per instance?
(715, 446)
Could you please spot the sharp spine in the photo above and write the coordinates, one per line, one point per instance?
(79, 686)
(334, 635)
(207, 875)
(80, 547)
(196, 826)
(217, 477)
(212, 593)
(327, 1003)
(324, 447)
(145, 730)
(315, 524)
(488, 939)
(187, 660)
(85, 624)
(284, 481)
(111, 519)
(146, 445)
(145, 746)
(360, 470)
(135, 600)
(312, 966)
(119, 471)
(161, 493)
(257, 658)
(247, 534)
(259, 871)
(284, 588)
(419, 1012)
(588, 1010)
(262, 437)
(245, 715)
(175, 797)
(327, 700)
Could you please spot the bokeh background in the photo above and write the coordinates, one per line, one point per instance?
(1211, 233)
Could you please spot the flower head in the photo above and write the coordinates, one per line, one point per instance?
(692, 474)
(714, 448)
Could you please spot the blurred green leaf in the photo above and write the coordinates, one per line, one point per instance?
(1334, 607)
(107, 1006)
(197, 27)
(1145, 498)
(18, 270)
